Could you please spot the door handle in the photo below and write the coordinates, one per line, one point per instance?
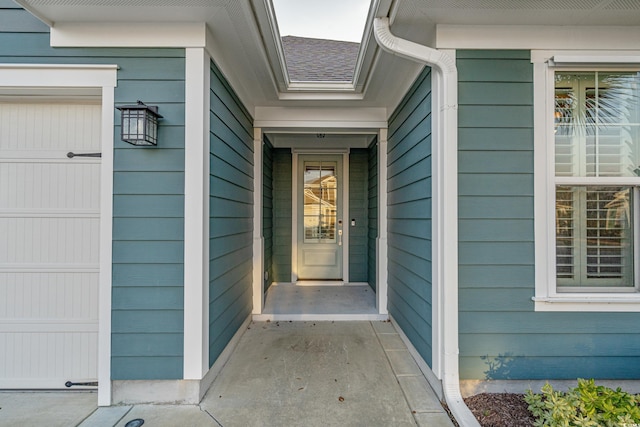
(71, 154)
(339, 237)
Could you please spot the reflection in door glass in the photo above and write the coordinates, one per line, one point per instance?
(320, 196)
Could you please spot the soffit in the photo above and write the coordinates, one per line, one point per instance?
(241, 52)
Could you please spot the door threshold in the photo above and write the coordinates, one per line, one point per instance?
(319, 317)
(320, 283)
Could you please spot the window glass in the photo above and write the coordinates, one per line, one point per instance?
(320, 197)
(597, 124)
(594, 236)
(597, 151)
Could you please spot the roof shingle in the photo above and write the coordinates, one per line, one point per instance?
(318, 60)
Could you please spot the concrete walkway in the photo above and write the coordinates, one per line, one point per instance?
(280, 374)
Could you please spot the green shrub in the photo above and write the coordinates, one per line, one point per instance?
(586, 405)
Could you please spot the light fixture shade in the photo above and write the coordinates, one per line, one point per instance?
(139, 124)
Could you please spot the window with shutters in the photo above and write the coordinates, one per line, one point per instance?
(591, 190)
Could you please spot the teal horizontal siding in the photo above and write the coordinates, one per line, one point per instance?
(358, 211)
(494, 139)
(282, 209)
(568, 368)
(148, 206)
(147, 321)
(148, 298)
(164, 345)
(501, 336)
(131, 367)
(142, 275)
(267, 209)
(409, 213)
(144, 183)
(488, 276)
(372, 214)
(148, 200)
(231, 214)
(147, 252)
(14, 19)
(483, 207)
(554, 345)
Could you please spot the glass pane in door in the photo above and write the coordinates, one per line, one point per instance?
(320, 197)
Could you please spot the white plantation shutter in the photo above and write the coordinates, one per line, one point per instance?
(597, 157)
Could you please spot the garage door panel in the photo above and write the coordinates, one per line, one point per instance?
(67, 186)
(71, 126)
(49, 260)
(49, 296)
(30, 242)
(51, 357)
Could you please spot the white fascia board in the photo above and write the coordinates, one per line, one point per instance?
(58, 75)
(536, 37)
(284, 117)
(128, 34)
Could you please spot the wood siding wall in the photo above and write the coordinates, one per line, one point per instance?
(372, 214)
(267, 209)
(231, 214)
(409, 215)
(148, 201)
(282, 209)
(358, 210)
(501, 337)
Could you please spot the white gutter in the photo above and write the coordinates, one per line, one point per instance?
(445, 224)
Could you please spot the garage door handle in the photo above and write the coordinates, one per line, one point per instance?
(88, 384)
(71, 154)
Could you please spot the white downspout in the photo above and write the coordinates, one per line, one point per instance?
(447, 246)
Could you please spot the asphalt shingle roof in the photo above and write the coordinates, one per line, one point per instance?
(317, 60)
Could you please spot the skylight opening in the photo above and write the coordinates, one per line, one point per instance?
(321, 39)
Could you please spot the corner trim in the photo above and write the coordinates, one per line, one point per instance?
(196, 214)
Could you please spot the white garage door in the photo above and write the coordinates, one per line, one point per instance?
(49, 229)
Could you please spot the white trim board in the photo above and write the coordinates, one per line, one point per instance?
(196, 214)
(536, 37)
(126, 34)
(103, 78)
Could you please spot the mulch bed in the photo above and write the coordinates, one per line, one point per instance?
(500, 410)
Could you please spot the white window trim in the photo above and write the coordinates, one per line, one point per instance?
(547, 298)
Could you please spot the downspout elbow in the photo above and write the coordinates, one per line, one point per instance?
(410, 50)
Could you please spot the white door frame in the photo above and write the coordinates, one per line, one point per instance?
(296, 152)
(100, 80)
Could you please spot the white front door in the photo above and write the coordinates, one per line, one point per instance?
(319, 218)
(49, 223)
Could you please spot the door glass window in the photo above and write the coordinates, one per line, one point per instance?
(320, 198)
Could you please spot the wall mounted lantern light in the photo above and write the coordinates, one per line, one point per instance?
(139, 124)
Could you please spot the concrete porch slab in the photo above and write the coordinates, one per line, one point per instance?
(308, 374)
